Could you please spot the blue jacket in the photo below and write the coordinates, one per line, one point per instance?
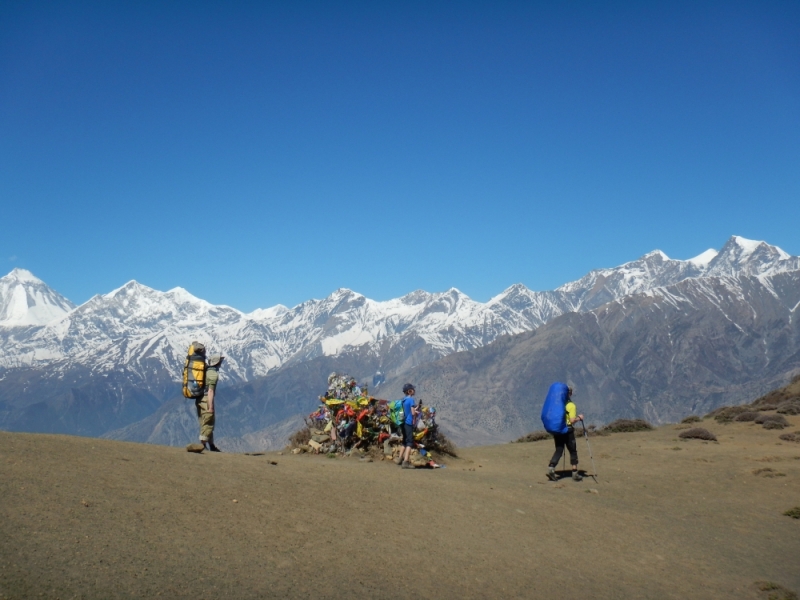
(408, 402)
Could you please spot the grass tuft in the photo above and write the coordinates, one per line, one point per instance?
(793, 512)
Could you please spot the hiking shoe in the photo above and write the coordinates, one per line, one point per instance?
(577, 476)
(551, 474)
(213, 448)
(195, 448)
(406, 465)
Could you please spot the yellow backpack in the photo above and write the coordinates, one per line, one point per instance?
(194, 371)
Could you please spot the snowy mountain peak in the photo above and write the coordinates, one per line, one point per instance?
(704, 258)
(23, 275)
(657, 254)
(137, 325)
(747, 246)
(132, 287)
(267, 314)
(740, 256)
(26, 300)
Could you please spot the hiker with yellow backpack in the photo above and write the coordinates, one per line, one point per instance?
(200, 383)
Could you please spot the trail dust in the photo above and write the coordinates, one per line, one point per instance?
(89, 518)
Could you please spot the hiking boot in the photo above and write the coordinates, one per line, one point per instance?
(195, 448)
(406, 465)
(551, 474)
(577, 476)
(213, 448)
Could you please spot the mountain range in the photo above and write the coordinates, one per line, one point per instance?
(110, 366)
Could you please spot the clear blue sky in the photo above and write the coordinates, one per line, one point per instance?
(270, 152)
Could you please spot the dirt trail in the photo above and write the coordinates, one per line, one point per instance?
(88, 518)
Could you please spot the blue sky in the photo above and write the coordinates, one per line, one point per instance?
(264, 153)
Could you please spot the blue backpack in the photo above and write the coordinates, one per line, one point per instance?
(554, 415)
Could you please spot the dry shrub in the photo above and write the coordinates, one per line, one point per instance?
(775, 591)
(627, 426)
(768, 472)
(793, 512)
(772, 421)
(698, 433)
(715, 412)
(691, 419)
(746, 416)
(301, 437)
(443, 445)
(591, 431)
(534, 436)
(791, 437)
(727, 414)
(789, 408)
(765, 407)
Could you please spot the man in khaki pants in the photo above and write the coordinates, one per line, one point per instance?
(206, 411)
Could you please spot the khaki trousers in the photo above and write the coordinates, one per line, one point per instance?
(206, 419)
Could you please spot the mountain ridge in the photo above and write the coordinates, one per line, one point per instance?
(137, 337)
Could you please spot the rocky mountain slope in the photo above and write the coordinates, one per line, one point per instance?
(681, 349)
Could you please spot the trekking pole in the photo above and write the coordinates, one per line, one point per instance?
(586, 435)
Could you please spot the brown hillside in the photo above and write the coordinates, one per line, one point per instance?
(88, 518)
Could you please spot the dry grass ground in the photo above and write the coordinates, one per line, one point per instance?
(87, 518)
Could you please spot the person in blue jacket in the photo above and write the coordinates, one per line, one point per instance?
(409, 414)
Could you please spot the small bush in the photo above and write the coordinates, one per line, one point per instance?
(627, 426)
(765, 407)
(774, 425)
(776, 592)
(746, 416)
(443, 445)
(779, 419)
(789, 408)
(300, 437)
(698, 433)
(793, 512)
(768, 472)
(726, 414)
(691, 419)
(534, 436)
(791, 437)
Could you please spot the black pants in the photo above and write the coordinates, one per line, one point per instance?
(568, 440)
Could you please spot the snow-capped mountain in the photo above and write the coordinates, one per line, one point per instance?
(114, 361)
(26, 300)
(143, 329)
